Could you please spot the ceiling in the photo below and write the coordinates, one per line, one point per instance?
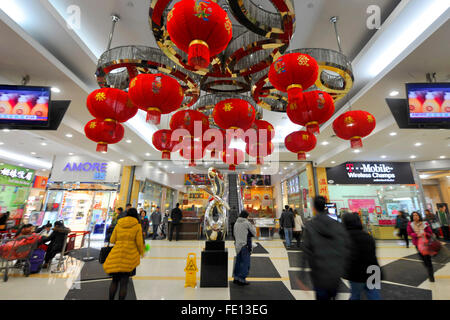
(53, 54)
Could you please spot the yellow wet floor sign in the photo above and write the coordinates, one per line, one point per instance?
(191, 270)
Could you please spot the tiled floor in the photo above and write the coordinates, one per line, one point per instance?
(161, 277)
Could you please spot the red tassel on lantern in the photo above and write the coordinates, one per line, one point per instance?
(198, 54)
(301, 156)
(154, 115)
(102, 147)
(356, 143)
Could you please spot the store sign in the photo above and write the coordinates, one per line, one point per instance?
(16, 176)
(371, 173)
(83, 169)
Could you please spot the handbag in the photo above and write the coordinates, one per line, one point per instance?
(104, 252)
(429, 247)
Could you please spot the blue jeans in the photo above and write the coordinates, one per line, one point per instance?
(242, 265)
(288, 236)
(325, 294)
(358, 287)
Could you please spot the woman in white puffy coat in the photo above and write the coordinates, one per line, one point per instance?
(298, 228)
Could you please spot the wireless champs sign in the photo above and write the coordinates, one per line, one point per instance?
(371, 173)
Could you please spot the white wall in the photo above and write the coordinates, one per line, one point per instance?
(150, 172)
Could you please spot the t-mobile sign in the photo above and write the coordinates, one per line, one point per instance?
(371, 173)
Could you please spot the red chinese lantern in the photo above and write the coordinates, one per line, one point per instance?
(223, 143)
(259, 151)
(233, 157)
(234, 114)
(187, 119)
(162, 140)
(266, 127)
(354, 125)
(195, 150)
(111, 104)
(156, 94)
(104, 132)
(317, 108)
(293, 73)
(300, 142)
(201, 28)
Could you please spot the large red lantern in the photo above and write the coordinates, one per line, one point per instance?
(234, 114)
(156, 94)
(293, 73)
(201, 28)
(259, 151)
(188, 120)
(104, 132)
(317, 108)
(233, 157)
(111, 104)
(162, 140)
(300, 142)
(354, 125)
(266, 128)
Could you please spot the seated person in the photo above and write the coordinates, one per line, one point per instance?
(24, 230)
(44, 230)
(56, 239)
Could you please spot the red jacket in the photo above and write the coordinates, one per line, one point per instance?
(427, 230)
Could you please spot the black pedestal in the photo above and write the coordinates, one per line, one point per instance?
(214, 265)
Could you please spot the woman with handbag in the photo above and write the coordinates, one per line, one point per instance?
(421, 233)
(124, 257)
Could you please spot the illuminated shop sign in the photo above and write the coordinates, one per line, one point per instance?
(99, 169)
(16, 176)
(371, 173)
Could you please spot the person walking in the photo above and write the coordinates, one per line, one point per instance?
(402, 225)
(232, 219)
(362, 256)
(156, 221)
(176, 215)
(144, 224)
(298, 227)
(125, 256)
(444, 221)
(287, 223)
(326, 246)
(419, 230)
(243, 233)
(433, 222)
(57, 240)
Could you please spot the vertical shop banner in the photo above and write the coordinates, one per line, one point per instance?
(310, 176)
(83, 169)
(323, 182)
(16, 176)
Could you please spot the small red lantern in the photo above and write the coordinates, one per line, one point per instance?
(317, 108)
(354, 125)
(224, 143)
(266, 127)
(188, 119)
(259, 151)
(293, 73)
(300, 142)
(162, 140)
(156, 94)
(233, 157)
(111, 104)
(234, 114)
(201, 28)
(193, 151)
(104, 132)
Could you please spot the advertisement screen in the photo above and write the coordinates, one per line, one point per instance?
(23, 105)
(428, 102)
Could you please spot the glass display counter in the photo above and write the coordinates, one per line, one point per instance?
(264, 228)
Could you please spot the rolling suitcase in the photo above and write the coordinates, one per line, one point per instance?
(36, 260)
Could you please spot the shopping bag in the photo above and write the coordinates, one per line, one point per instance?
(422, 246)
(434, 246)
(104, 252)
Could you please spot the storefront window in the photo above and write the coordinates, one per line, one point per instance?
(151, 196)
(258, 201)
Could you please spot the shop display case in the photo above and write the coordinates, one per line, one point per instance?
(265, 228)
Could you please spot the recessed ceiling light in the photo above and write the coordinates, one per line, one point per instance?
(308, 155)
(147, 154)
(20, 164)
(43, 144)
(173, 172)
(394, 93)
(423, 176)
(121, 160)
(285, 168)
(104, 152)
(383, 157)
(291, 163)
(165, 167)
(333, 162)
(442, 157)
(325, 143)
(71, 153)
(128, 141)
(357, 151)
(417, 144)
(246, 163)
(56, 90)
(6, 130)
(393, 133)
(413, 157)
(186, 167)
(69, 135)
(2, 143)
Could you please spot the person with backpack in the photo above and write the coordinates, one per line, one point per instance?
(287, 222)
(326, 246)
(362, 256)
(402, 225)
(243, 233)
(124, 257)
(419, 230)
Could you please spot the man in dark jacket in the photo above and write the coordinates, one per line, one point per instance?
(57, 240)
(402, 224)
(232, 219)
(362, 256)
(176, 215)
(287, 222)
(325, 244)
(156, 221)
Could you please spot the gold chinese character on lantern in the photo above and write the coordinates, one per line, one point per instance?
(228, 25)
(92, 125)
(133, 83)
(305, 137)
(370, 118)
(349, 120)
(170, 15)
(181, 91)
(227, 107)
(293, 106)
(303, 60)
(101, 96)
